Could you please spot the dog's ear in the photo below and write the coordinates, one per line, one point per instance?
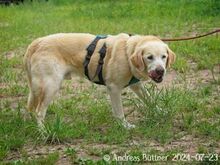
(137, 60)
(171, 57)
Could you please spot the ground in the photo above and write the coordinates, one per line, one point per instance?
(79, 124)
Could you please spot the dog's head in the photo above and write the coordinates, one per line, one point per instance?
(151, 57)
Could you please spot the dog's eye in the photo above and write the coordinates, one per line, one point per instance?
(163, 56)
(150, 57)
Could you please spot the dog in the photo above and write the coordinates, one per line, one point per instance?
(50, 59)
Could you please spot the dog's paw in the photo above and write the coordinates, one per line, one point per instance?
(127, 125)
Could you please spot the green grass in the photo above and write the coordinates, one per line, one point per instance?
(49, 160)
(83, 113)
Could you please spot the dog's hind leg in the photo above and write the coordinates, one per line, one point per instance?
(46, 82)
(31, 105)
(46, 95)
(32, 102)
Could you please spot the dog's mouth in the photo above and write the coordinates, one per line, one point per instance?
(158, 79)
(155, 77)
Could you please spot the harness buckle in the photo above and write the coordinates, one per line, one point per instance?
(101, 62)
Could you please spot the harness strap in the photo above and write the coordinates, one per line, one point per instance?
(102, 53)
(133, 80)
(90, 50)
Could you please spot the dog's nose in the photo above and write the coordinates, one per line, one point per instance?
(159, 71)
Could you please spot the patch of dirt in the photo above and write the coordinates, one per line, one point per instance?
(9, 55)
(192, 78)
(11, 96)
(3, 85)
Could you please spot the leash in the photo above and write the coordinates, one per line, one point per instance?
(191, 38)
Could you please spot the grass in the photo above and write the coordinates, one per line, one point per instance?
(50, 160)
(190, 106)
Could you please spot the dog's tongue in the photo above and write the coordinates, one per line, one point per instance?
(152, 74)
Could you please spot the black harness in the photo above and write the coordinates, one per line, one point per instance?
(90, 50)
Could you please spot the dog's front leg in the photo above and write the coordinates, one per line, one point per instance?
(117, 108)
(139, 90)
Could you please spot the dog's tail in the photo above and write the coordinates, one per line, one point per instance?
(32, 48)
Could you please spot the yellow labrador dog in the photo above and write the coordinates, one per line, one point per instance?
(50, 59)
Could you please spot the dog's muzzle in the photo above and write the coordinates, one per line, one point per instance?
(157, 74)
